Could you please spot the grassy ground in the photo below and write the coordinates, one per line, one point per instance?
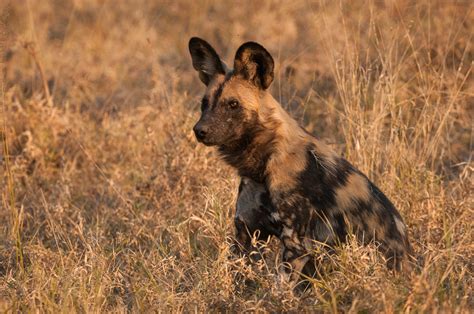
(109, 204)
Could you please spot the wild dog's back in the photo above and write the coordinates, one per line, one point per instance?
(325, 198)
(345, 200)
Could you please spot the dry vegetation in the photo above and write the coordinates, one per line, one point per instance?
(109, 204)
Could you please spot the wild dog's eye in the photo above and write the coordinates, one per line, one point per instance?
(233, 103)
(204, 104)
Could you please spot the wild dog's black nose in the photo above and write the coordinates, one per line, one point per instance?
(200, 131)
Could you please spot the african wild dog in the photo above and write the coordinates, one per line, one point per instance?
(292, 185)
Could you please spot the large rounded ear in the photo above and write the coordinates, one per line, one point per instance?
(254, 63)
(205, 59)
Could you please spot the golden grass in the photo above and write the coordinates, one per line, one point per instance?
(109, 204)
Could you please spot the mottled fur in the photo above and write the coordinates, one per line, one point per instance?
(293, 186)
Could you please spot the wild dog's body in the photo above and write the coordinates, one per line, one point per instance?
(293, 186)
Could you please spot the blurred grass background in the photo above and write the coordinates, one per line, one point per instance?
(109, 204)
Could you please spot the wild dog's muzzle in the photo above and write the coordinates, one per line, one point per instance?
(200, 131)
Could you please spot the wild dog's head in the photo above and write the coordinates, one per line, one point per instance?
(229, 108)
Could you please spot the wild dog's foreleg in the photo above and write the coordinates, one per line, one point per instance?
(246, 215)
(294, 256)
(243, 237)
(252, 218)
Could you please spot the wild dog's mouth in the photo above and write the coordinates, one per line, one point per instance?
(214, 139)
(205, 135)
(206, 141)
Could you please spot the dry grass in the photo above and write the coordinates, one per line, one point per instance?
(109, 204)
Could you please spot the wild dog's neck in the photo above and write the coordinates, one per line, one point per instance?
(270, 142)
(276, 119)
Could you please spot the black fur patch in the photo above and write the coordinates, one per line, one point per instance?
(318, 183)
(248, 157)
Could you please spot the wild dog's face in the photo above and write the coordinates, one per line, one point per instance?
(229, 108)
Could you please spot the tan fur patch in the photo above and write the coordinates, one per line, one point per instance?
(298, 265)
(246, 93)
(289, 159)
(326, 154)
(376, 227)
(356, 188)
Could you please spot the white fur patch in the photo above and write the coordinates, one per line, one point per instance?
(287, 232)
(400, 225)
(276, 216)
